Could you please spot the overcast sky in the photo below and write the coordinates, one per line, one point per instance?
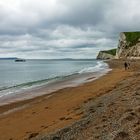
(64, 28)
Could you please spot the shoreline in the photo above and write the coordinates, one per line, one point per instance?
(112, 116)
(73, 80)
(59, 110)
(24, 91)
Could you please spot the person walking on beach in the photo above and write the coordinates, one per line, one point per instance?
(128, 65)
(125, 65)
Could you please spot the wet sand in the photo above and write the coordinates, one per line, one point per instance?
(69, 81)
(47, 114)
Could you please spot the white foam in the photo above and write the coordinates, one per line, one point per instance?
(99, 67)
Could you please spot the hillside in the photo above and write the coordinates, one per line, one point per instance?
(112, 52)
(108, 54)
(132, 37)
(129, 45)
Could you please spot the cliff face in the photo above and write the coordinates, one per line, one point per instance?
(129, 45)
(105, 55)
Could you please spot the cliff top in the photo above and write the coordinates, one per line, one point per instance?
(132, 37)
(112, 52)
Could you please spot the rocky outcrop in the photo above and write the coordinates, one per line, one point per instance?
(104, 55)
(129, 45)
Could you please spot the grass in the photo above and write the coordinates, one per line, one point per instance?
(132, 37)
(112, 52)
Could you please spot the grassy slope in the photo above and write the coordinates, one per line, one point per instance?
(112, 52)
(132, 37)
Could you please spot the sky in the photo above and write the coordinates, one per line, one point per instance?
(51, 29)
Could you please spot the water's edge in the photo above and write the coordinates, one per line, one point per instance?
(47, 86)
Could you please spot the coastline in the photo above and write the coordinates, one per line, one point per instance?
(46, 114)
(19, 93)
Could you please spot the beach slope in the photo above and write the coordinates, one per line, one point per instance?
(107, 108)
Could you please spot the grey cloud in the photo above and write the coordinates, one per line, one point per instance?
(64, 28)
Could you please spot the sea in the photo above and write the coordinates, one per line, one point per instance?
(18, 78)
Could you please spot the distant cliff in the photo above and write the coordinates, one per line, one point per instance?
(129, 45)
(109, 54)
(8, 58)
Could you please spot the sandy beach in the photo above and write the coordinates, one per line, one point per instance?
(102, 109)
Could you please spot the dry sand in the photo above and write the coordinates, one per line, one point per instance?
(101, 109)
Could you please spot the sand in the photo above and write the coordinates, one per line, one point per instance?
(47, 115)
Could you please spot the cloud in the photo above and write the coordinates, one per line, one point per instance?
(64, 28)
(65, 40)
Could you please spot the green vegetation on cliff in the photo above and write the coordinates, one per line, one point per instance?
(132, 37)
(112, 52)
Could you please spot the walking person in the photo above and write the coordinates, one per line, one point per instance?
(128, 65)
(125, 65)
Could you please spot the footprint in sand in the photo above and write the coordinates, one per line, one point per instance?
(28, 132)
(62, 118)
(79, 114)
(32, 135)
(44, 126)
(85, 102)
(33, 112)
(76, 108)
(69, 118)
(89, 99)
(46, 107)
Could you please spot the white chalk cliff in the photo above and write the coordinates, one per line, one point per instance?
(104, 55)
(128, 49)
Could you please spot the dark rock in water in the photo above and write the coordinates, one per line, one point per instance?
(20, 60)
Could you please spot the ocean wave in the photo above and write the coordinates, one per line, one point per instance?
(4, 91)
(100, 66)
(30, 84)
